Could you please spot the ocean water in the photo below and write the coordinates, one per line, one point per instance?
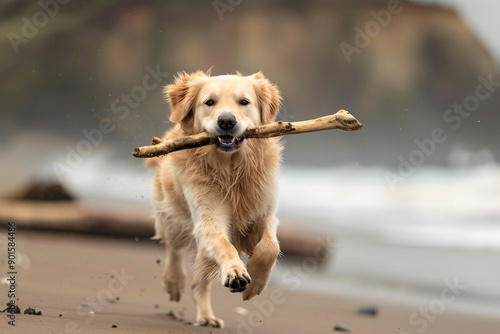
(442, 208)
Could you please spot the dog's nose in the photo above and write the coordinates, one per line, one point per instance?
(226, 121)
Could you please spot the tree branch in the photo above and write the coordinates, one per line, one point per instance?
(341, 120)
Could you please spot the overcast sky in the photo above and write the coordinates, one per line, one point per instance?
(483, 17)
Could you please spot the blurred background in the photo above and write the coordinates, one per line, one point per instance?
(410, 200)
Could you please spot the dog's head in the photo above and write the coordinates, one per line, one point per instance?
(222, 105)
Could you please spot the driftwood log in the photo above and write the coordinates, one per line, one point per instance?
(342, 120)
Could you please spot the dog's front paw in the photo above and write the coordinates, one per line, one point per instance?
(209, 321)
(236, 279)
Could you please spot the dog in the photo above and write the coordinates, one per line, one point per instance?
(221, 198)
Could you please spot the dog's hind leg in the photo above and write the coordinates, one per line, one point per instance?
(201, 285)
(176, 242)
(174, 273)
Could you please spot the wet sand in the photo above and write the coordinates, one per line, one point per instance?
(87, 284)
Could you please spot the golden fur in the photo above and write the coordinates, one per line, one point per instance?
(223, 201)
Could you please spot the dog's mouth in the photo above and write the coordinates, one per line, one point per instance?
(228, 143)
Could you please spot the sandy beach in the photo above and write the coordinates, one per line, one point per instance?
(90, 284)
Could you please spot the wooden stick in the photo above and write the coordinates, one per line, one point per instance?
(341, 120)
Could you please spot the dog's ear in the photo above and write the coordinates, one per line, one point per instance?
(182, 94)
(269, 97)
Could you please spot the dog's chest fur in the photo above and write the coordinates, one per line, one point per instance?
(246, 194)
(246, 182)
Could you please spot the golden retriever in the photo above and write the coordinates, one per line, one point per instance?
(223, 196)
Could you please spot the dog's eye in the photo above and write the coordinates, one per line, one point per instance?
(244, 102)
(210, 102)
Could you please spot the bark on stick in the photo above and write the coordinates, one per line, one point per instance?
(342, 120)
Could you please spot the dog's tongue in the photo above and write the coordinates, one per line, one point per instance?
(227, 139)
